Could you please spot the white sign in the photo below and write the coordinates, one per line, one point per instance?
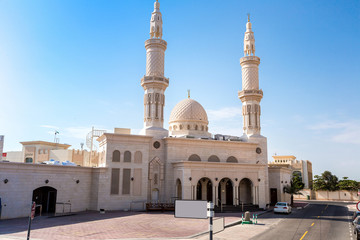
(1, 146)
(191, 209)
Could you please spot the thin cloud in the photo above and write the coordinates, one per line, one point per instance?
(49, 126)
(227, 113)
(328, 125)
(342, 132)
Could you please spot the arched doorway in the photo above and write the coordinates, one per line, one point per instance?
(46, 197)
(204, 189)
(178, 189)
(225, 192)
(245, 191)
(155, 195)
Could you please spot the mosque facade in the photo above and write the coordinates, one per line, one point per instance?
(184, 161)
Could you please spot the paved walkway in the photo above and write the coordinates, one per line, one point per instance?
(111, 225)
(129, 225)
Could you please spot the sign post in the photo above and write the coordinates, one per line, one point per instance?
(195, 209)
(210, 211)
(358, 206)
(31, 217)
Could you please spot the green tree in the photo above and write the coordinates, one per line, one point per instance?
(327, 181)
(346, 184)
(296, 185)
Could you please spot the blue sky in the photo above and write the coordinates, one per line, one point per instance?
(69, 65)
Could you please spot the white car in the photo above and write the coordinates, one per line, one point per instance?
(282, 207)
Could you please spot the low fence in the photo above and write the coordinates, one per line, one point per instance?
(340, 195)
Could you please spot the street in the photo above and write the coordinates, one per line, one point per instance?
(320, 220)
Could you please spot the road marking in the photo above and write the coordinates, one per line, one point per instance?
(303, 235)
(326, 207)
(312, 224)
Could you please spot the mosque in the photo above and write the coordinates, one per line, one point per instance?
(184, 161)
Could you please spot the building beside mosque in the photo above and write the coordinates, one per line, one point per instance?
(185, 161)
(302, 168)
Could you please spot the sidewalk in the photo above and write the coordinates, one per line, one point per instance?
(132, 225)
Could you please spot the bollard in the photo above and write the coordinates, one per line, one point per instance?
(242, 219)
(256, 218)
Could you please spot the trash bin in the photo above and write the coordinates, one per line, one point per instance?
(308, 197)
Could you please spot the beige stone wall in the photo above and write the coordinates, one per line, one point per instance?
(341, 195)
(14, 156)
(279, 177)
(304, 194)
(250, 165)
(138, 187)
(23, 178)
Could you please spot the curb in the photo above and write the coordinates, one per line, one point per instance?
(225, 226)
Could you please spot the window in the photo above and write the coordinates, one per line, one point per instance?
(127, 156)
(28, 160)
(213, 158)
(126, 181)
(138, 157)
(115, 177)
(194, 158)
(116, 156)
(232, 159)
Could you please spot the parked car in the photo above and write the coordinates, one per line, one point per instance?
(356, 213)
(282, 207)
(356, 223)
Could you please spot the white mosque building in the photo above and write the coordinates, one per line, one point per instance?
(185, 161)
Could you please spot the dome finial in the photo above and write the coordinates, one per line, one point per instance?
(188, 93)
(248, 17)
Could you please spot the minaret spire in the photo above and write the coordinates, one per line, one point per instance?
(249, 40)
(250, 95)
(156, 22)
(154, 82)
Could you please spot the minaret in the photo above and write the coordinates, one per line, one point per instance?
(154, 82)
(250, 95)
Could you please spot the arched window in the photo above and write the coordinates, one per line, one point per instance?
(232, 159)
(127, 156)
(194, 158)
(196, 127)
(138, 157)
(188, 127)
(202, 128)
(181, 127)
(175, 128)
(116, 156)
(213, 158)
(170, 128)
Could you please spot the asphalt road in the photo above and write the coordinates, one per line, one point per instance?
(320, 220)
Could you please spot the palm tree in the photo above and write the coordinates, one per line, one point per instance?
(296, 185)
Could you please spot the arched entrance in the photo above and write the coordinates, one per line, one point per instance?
(225, 192)
(245, 191)
(204, 189)
(46, 197)
(155, 195)
(178, 189)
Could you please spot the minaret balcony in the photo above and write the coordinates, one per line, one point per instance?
(247, 95)
(250, 58)
(156, 42)
(154, 80)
